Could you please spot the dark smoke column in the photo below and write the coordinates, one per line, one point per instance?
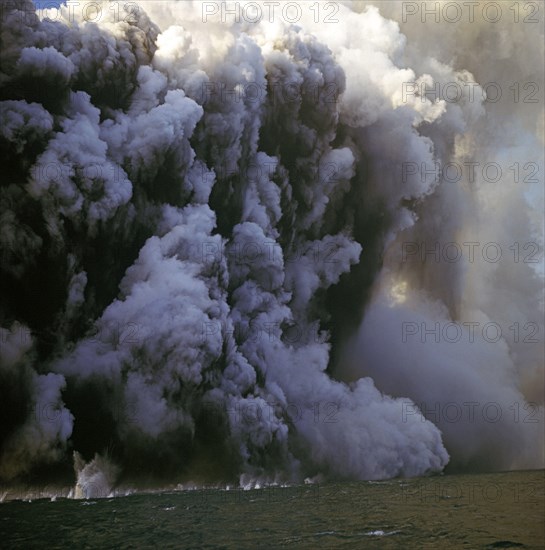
(195, 213)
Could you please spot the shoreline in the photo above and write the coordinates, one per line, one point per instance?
(52, 492)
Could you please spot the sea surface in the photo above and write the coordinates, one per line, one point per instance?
(500, 510)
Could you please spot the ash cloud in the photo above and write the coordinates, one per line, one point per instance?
(170, 185)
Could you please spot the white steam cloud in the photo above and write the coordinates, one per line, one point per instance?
(211, 245)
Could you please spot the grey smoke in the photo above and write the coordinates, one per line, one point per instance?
(208, 286)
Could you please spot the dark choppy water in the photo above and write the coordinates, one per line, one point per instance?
(504, 510)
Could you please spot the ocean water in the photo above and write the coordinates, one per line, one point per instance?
(500, 510)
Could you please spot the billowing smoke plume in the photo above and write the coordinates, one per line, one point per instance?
(206, 232)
